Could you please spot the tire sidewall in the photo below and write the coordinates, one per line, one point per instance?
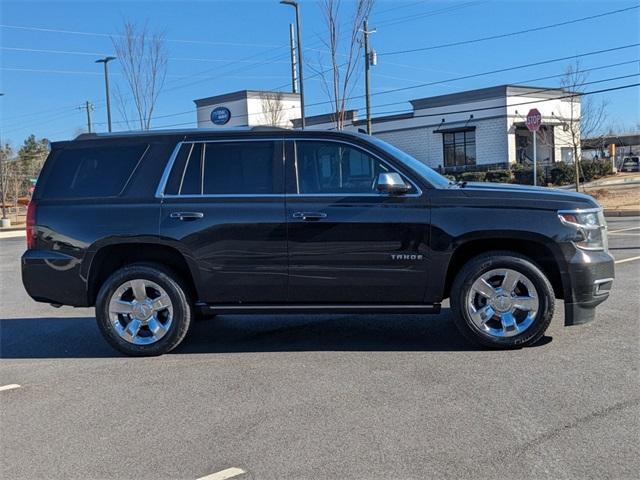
(182, 313)
(477, 267)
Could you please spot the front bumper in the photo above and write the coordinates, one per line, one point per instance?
(588, 280)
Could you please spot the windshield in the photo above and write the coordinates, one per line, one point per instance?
(429, 174)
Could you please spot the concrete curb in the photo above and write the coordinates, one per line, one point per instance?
(13, 229)
(614, 182)
(622, 213)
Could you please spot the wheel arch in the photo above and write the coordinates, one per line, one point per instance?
(109, 258)
(536, 250)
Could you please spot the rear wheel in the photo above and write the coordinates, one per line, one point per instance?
(143, 310)
(502, 300)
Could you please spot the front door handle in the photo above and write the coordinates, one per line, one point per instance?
(309, 216)
(187, 215)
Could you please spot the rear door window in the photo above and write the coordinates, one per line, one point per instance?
(92, 172)
(227, 168)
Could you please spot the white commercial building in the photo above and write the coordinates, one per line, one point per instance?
(473, 130)
(248, 108)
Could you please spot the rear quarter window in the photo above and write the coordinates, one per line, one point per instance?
(91, 172)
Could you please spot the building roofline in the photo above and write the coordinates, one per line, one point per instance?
(349, 116)
(242, 95)
(487, 93)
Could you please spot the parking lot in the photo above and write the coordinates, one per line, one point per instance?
(311, 397)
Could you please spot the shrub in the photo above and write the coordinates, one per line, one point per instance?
(450, 177)
(562, 174)
(604, 167)
(473, 176)
(524, 175)
(588, 171)
(500, 176)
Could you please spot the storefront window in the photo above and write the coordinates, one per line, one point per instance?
(459, 148)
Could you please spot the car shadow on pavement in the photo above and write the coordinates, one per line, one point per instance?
(80, 338)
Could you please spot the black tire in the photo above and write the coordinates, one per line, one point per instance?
(181, 304)
(484, 263)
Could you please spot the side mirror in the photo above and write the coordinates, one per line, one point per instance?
(392, 183)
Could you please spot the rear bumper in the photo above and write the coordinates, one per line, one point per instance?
(53, 277)
(589, 278)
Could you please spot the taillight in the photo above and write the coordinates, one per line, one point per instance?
(31, 223)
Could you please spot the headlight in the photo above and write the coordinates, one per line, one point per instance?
(590, 225)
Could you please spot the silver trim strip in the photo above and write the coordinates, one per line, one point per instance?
(582, 210)
(317, 307)
(167, 170)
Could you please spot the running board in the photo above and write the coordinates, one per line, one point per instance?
(213, 309)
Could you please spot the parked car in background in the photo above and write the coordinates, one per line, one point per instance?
(155, 228)
(630, 164)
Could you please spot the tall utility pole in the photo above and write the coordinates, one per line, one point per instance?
(294, 4)
(294, 66)
(369, 59)
(88, 106)
(106, 60)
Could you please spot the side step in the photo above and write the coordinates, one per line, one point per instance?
(214, 309)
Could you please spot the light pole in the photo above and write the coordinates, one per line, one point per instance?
(295, 5)
(370, 59)
(106, 60)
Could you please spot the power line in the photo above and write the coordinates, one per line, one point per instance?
(432, 13)
(95, 54)
(541, 90)
(117, 35)
(499, 70)
(530, 102)
(191, 112)
(584, 94)
(510, 34)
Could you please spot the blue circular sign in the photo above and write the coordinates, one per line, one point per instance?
(220, 115)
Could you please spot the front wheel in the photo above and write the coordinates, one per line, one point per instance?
(143, 310)
(502, 300)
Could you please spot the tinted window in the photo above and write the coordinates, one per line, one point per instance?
(92, 171)
(416, 165)
(227, 168)
(331, 167)
(240, 168)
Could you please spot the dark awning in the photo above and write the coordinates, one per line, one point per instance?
(455, 129)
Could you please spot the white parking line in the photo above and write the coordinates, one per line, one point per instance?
(224, 474)
(625, 260)
(9, 387)
(624, 229)
(12, 234)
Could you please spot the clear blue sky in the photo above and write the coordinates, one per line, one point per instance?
(221, 46)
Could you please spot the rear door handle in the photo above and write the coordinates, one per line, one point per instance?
(187, 215)
(310, 216)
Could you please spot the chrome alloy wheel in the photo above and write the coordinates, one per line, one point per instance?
(140, 311)
(502, 303)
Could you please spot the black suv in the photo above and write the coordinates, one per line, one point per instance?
(157, 228)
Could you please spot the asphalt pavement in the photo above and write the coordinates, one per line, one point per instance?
(315, 397)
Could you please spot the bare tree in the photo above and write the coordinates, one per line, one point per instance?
(339, 78)
(5, 176)
(586, 116)
(272, 108)
(143, 58)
